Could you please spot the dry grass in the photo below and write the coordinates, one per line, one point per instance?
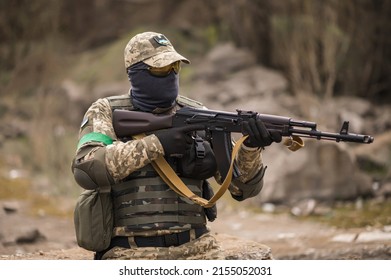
(348, 215)
(40, 203)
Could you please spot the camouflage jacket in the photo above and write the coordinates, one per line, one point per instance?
(123, 158)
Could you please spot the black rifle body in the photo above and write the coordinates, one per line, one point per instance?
(218, 126)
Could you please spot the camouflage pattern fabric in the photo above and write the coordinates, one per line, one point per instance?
(203, 248)
(207, 247)
(153, 49)
(249, 162)
(145, 206)
(122, 159)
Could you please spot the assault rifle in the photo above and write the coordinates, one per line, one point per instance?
(218, 126)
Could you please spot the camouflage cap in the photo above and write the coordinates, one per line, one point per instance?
(151, 48)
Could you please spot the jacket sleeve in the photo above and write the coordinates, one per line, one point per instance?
(251, 173)
(99, 146)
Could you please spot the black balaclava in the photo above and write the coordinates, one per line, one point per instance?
(149, 92)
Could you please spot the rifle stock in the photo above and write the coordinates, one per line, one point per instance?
(129, 123)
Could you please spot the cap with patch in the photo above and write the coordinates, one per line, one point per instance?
(151, 48)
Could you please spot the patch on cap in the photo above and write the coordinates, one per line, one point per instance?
(161, 40)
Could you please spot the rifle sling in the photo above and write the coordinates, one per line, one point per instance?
(176, 184)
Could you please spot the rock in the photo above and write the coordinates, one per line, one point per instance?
(345, 237)
(11, 207)
(357, 105)
(30, 236)
(268, 207)
(373, 236)
(375, 155)
(229, 79)
(241, 249)
(223, 60)
(304, 208)
(385, 190)
(318, 171)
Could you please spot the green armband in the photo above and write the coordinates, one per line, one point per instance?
(95, 137)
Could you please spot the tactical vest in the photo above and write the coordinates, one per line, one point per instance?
(143, 202)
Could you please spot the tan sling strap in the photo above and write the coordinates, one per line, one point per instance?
(176, 184)
(294, 143)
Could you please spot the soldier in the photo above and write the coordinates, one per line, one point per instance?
(151, 221)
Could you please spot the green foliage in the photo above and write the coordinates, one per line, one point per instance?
(100, 65)
(375, 169)
(211, 35)
(348, 215)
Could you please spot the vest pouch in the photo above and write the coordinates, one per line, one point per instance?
(199, 161)
(93, 219)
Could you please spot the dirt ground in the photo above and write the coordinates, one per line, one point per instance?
(45, 237)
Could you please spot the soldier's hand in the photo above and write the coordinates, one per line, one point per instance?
(176, 140)
(258, 135)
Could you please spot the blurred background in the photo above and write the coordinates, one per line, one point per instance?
(323, 61)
